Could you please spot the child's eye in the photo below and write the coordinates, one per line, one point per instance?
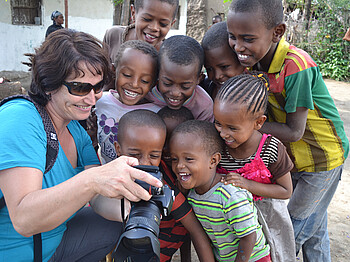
(167, 84)
(186, 87)
(232, 128)
(248, 40)
(225, 67)
(134, 155)
(209, 69)
(126, 75)
(189, 159)
(144, 82)
(146, 19)
(173, 159)
(217, 123)
(155, 156)
(232, 37)
(163, 25)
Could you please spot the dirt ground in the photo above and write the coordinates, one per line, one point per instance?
(339, 209)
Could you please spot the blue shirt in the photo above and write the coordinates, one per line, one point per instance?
(23, 144)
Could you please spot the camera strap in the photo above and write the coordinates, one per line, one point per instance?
(122, 206)
(51, 156)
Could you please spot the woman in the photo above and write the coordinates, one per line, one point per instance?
(68, 72)
(58, 20)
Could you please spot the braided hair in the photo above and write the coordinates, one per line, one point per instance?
(247, 89)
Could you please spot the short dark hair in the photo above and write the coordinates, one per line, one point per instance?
(139, 117)
(203, 130)
(139, 4)
(141, 46)
(182, 50)
(182, 114)
(247, 89)
(60, 56)
(271, 10)
(216, 36)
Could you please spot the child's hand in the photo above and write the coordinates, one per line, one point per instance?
(236, 180)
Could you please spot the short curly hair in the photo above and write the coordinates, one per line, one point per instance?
(204, 131)
(271, 10)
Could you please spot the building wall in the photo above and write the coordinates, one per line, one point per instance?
(91, 16)
(214, 7)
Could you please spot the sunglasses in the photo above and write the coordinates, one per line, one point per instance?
(82, 89)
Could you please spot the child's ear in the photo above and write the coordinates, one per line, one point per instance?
(259, 122)
(278, 32)
(117, 148)
(215, 160)
(133, 12)
(173, 22)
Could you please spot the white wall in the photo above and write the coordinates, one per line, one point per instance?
(91, 16)
(182, 22)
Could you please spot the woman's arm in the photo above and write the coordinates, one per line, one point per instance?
(33, 209)
(199, 238)
(291, 131)
(281, 190)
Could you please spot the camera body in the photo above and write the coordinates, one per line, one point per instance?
(139, 242)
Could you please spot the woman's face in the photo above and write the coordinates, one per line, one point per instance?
(66, 106)
(59, 20)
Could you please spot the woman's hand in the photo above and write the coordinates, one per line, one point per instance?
(116, 180)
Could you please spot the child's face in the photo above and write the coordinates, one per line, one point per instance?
(249, 38)
(192, 165)
(177, 82)
(135, 76)
(144, 143)
(221, 64)
(153, 21)
(234, 123)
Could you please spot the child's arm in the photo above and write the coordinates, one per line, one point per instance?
(199, 238)
(245, 247)
(281, 190)
(292, 130)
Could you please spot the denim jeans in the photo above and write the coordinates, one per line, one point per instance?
(89, 237)
(308, 210)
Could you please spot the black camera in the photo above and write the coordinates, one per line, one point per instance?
(139, 242)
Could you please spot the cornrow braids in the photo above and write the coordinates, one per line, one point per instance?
(248, 89)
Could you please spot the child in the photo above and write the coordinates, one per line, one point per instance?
(152, 20)
(259, 163)
(181, 61)
(136, 73)
(172, 118)
(227, 213)
(220, 61)
(302, 115)
(142, 135)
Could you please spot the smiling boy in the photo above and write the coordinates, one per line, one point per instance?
(180, 63)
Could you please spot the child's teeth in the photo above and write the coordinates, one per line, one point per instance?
(150, 36)
(129, 93)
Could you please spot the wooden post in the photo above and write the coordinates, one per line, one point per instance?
(66, 13)
(125, 12)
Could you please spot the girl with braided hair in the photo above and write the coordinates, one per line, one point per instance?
(254, 161)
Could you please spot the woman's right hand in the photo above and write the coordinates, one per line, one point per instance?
(116, 180)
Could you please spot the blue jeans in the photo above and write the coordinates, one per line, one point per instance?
(89, 237)
(308, 210)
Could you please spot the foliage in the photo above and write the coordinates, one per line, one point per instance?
(117, 2)
(327, 47)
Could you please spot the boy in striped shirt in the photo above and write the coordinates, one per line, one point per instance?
(227, 213)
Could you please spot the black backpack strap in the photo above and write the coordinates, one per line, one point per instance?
(51, 156)
(38, 253)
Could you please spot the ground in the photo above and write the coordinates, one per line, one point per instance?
(338, 211)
